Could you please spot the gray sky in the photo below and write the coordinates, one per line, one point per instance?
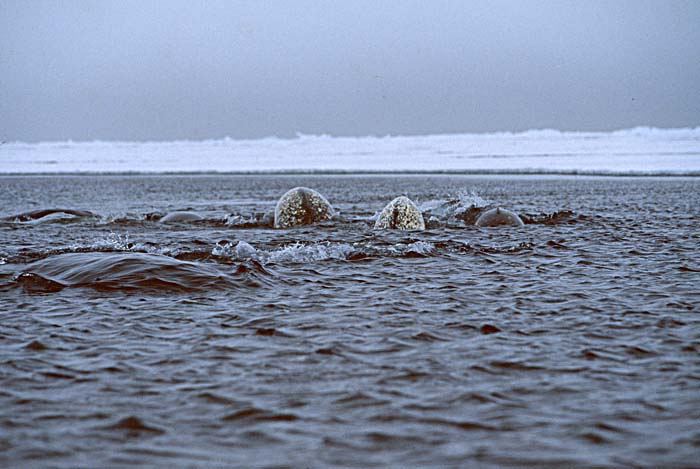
(138, 70)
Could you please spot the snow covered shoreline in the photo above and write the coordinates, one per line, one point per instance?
(636, 152)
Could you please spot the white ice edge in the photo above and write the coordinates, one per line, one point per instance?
(640, 150)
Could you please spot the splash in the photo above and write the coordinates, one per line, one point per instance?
(304, 253)
(300, 253)
(464, 207)
(240, 251)
(415, 249)
(119, 242)
(256, 220)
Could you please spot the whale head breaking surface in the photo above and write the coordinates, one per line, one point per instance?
(498, 217)
(302, 206)
(400, 214)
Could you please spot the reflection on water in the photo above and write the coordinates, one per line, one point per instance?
(218, 340)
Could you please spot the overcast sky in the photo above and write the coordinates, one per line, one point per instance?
(138, 70)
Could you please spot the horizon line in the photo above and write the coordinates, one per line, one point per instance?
(339, 172)
(301, 135)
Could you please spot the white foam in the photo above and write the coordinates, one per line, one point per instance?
(305, 253)
(298, 252)
(244, 250)
(449, 208)
(310, 253)
(241, 251)
(419, 247)
(119, 242)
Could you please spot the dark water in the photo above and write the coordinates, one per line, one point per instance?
(573, 341)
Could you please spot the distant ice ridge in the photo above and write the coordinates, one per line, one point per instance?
(641, 150)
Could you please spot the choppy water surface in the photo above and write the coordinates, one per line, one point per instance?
(574, 340)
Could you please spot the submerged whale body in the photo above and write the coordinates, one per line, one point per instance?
(499, 217)
(176, 217)
(40, 214)
(119, 270)
(400, 214)
(302, 206)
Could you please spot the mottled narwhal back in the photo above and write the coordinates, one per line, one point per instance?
(400, 214)
(499, 217)
(302, 206)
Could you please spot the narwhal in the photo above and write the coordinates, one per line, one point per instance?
(400, 214)
(302, 206)
(179, 217)
(498, 217)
